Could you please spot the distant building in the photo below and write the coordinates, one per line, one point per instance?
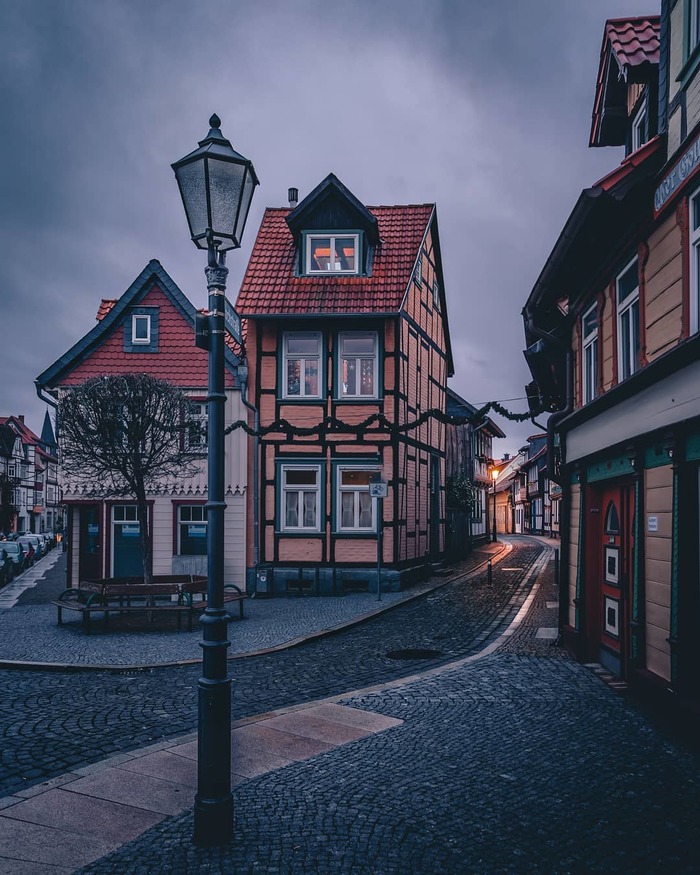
(30, 462)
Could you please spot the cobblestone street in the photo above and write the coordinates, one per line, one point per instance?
(495, 754)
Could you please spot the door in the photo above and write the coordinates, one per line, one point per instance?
(126, 541)
(90, 545)
(610, 552)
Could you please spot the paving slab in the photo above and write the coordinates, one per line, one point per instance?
(130, 788)
(163, 764)
(306, 723)
(547, 633)
(38, 844)
(260, 736)
(354, 717)
(84, 815)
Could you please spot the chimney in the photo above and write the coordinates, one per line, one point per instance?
(21, 418)
(506, 457)
(293, 195)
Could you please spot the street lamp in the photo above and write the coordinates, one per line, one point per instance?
(216, 185)
(494, 477)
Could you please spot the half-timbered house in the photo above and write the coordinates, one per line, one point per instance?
(346, 318)
(612, 325)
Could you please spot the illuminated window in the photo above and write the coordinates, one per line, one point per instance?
(301, 365)
(356, 508)
(301, 498)
(358, 364)
(331, 253)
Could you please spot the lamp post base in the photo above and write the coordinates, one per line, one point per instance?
(213, 821)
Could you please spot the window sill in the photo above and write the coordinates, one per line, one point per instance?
(365, 533)
(299, 533)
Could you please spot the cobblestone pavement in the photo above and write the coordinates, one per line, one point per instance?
(520, 762)
(53, 721)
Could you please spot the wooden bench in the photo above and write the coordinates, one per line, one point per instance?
(232, 594)
(167, 593)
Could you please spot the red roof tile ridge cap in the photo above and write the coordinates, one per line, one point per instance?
(633, 18)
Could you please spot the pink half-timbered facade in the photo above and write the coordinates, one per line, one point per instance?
(346, 317)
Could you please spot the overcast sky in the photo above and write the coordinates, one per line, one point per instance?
(481, 107)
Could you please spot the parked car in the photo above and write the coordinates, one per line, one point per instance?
(29, 551)
(14, 553)
(37, 543)
(45, 542)
(6, 567)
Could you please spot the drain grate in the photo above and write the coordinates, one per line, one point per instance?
(414, 653)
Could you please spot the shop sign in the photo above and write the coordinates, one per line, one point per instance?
(670, 184)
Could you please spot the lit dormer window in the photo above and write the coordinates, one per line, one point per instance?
(332, 253)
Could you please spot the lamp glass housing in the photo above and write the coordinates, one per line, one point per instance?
(216, 185)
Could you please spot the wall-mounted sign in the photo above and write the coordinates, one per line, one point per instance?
(685, 167)
(380, 489)
(131, 531)
(652, 524)
(197, 531)
(93, 529)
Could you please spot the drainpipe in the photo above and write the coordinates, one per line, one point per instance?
(256, 453)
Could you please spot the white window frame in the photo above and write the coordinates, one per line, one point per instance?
(694, 243)
(436, 294)
(335, 269)
(286, 358)
(201, 509)
(202, 418)
(134, 321)
(589, 357)
(340, 489)
(300, 490)
(638, 122)
(625, 358)
(342, 393)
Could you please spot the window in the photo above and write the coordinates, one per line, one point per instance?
(191, 530)
(695, 262)
(356, 509)
(589, 370)
(196, 426)
(140, 329)
(125, 513)
(331, 253)
(11, 471)
(436, 294)
(358, 364)
(301, 498)
(693, 19)
(612, 520)
(627, 288)
(301, 365)
(640, 127)
(418, 272)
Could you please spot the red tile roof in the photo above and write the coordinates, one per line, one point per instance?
(106, 305)
(178, 360)
(269, 286)
(634, 40)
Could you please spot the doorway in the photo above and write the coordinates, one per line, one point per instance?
(609, 573)
(126, 541)
(90, 544)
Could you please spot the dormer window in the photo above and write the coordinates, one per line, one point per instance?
(141, 329)
(332, 253)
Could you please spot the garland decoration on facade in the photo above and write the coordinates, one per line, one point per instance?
(377, 423)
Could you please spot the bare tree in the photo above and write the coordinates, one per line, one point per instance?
(124, 436)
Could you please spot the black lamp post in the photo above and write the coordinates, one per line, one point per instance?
(216, 184)
(494, 477)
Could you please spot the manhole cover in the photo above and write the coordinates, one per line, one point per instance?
(414, 653)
